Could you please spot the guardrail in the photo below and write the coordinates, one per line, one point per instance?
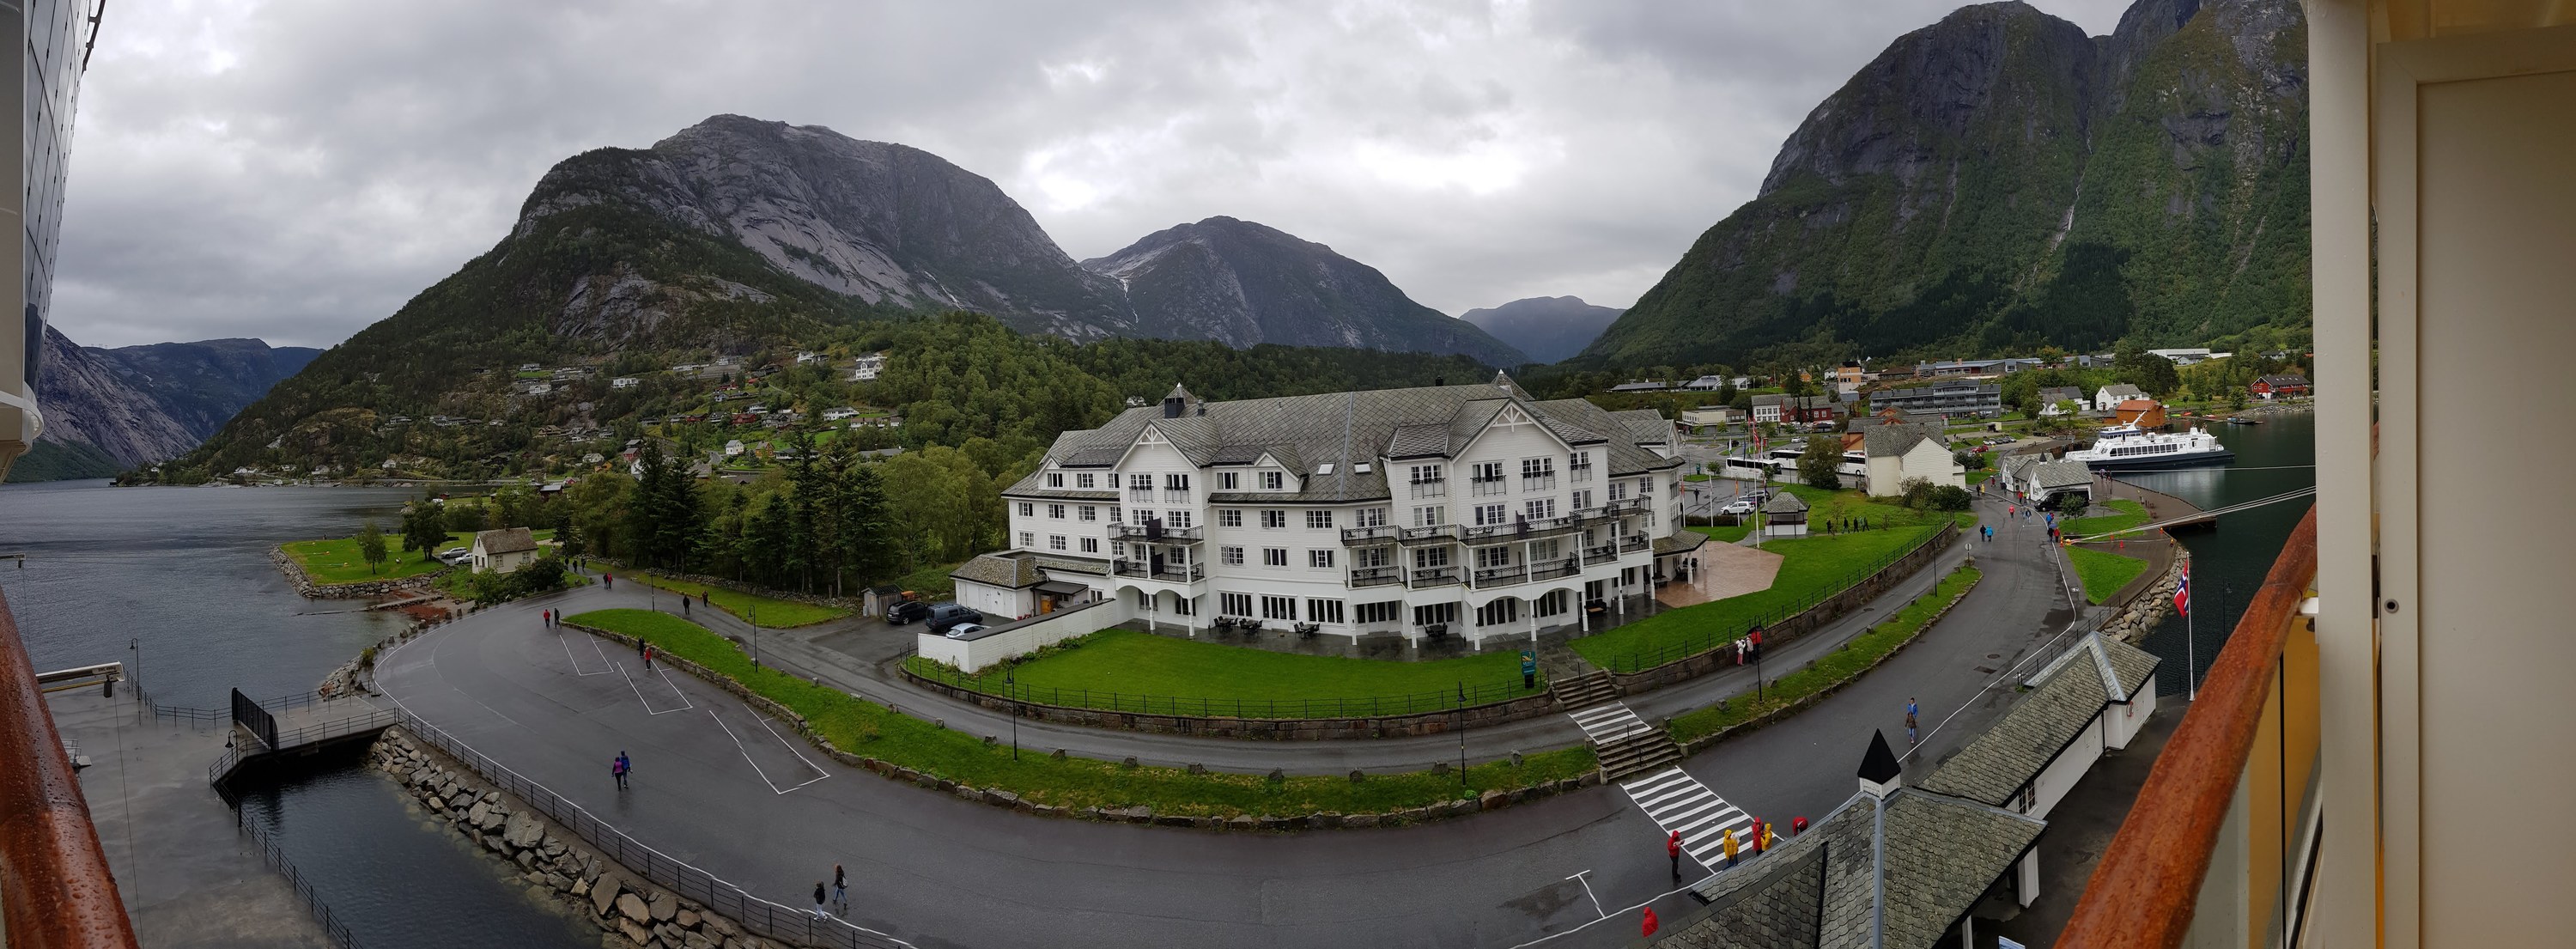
(57, 887)
(762, 917)
(1375, 706)
(332, 928)
(1361, 535)
(377, 720)
(1712, 637)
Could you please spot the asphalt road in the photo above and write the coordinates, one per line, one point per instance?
(716, 786)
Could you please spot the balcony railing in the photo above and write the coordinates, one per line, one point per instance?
(1140, 495)
(2230, 790)
(1433, 488)
(1520, 529)
(1157, 533)
(1434, 534)
(1169, 573)
(1369, 535)
(1553, 569)
(1543, 482)
(1434, 577)
(1501, 576)
(1376, 576)
(58, 890)
(1176, 496)
(1634, 543)
(1579, 474)
(1487, 487)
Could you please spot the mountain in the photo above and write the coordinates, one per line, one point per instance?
(1243, 283)
(2000, 181)
(1549, 329)
(111, 410)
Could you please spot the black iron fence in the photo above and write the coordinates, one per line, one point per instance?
(776, 921)
(268, 850)
(1371, 706)
(248, 714)
(1713, 636)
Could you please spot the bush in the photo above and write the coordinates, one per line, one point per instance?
(542, 575)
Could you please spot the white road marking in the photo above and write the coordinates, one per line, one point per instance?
(755, 766)
(648, 703)
(1609, 722)
(1678, 802)
(576, 664)
(791, 746)
(1587, 891)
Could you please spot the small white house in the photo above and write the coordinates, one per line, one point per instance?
(622, 382)
(503, 550)
(835, 415)
(541, 388)
(2112, 395)
(1900, 452)
(733, 448)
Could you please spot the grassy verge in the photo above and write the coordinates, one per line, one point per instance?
(1125, 670)
(1849, 505)
(866, 728)
(1725, 533)
(337, 561)
(2131, 515)
(2103, 574)
(1836, 668)
(1978, 475)
(1811, 568)
(771, 611)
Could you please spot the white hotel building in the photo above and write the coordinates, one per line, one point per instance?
(1469, 510)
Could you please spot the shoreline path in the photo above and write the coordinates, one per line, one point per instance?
(742, 797)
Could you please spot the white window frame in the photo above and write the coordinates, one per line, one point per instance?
(1274, 556)
(1230, 556)
(1319, 520)
(1229, 517)
(1279, 608)
(1319, 558)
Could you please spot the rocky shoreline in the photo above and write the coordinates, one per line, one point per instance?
(345, 591)
(2142, 614)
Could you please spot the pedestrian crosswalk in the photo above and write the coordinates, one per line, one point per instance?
(1609, 722)
(1677, 801)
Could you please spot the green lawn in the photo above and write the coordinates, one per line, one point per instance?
(2103, 574)
(771, 612)
(1141, 672)
(1850, 504)
(1726, 533)
(1811, 569)
(1835, 668)
(1978, 475)
(336, 561)
(2131, 515)
(865, 728)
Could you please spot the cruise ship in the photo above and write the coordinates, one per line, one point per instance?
(2128, 448)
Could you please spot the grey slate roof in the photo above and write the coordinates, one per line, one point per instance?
(2065, 697)
(508, 540)
(2124, 391)
(1678, 543)
(1890, 440)
(1785, 503)
(1014, 573)
(1891, 873)
(2061, 474)
(1307, 431)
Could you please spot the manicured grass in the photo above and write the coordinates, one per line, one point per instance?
(1726, 533)
(1851, 504)
(2131, 515)
(1834, 668)
(337, 561)
(771, 612)
(1141, 672)
(2104, 574)
(1696, 477)
(1811, 569)
(1980, 474)
(865, 728)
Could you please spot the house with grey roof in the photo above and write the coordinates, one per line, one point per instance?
(1901, 452)
(2111, 396)
(1469, 510)
(2048, 481)
(503, 550)
(2050, 398)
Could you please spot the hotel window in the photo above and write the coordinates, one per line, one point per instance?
(1055, 511)
(1430, 558)
(1274, 519)
(1489, 514)
(1055, 480)
(1091, 545)
(1083, 481)
(1498, 612)
(1377, 612)
(1274, 481)
(1177, 520)
(1028, 509)
(1274, 556)
(1234, 604)
(1028, 538)
(1582, 499)
(1055, 542)
(1118, 549)
(1645, 487)
(1488, 558)
(1142, 482)
(1536, 472)
(1230, 556)
(1319, 520)
(1618, 491)
(1425, 473)
(1324, 611)
(1113, 514)
(1176, 482)
(1229, 480)
(1553, 604)
(1372, 517)
(1426, 516)
(1229, 517)
(1370, 557)
(1539, 509)
(1089, 512)
(1548, 549)
(1279, 607)
(1319, 559)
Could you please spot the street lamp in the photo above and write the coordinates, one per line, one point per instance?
(1458, 722)
(755, 634)
(1010, 686)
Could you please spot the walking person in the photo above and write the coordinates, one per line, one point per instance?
(648, 658)
(617, 767)
(819, 912)
(840, 890)
(1911, 710)
(1728, 847)
(1673, 849)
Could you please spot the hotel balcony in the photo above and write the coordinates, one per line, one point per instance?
(1156, 533)
(1550, 570)
(1490, 577)
(1434, 534)
(1169, 573)
(1433, 488)
(1376, 576)
(1488, 487)
(1634, 543)
(1434, 577)
(1380, 534)
(1596, 556)
(2220, 847)
(1545, 482)
(1519, 530)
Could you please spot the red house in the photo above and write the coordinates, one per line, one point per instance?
(2274, 387)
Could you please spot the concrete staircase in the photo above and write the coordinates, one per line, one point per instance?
(1639, 753)
(1583, 690)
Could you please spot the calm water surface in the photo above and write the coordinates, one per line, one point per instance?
(2228, 563)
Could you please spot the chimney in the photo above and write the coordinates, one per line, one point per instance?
(1177, 402)
(1879, 772)
(1172, 408)
(1440, 380)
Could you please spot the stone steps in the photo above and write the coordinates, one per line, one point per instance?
(1637, 753)
(1583, 691)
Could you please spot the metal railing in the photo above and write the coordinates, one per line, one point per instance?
(1500, 576)
(1553, 569)
(1376, 576)
(762, 917)
(1433, 488)
(1487, 487)
(1711, 636)
(1635, 542)
(1374, 706)
(1435, 577)
(2232, 788)
(310, 734)
(1154, 532)
(1545, 482)
(1129, 568)
(1595, 556)
(332, 929)
(50, 849)
(1436, 533)
(1373, 533)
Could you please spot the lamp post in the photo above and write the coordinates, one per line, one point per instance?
(1755, 635)
(755, 635)
(1458, 721)
(1010, 685)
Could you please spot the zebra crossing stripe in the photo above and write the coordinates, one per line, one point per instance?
(1609, 722)
(1677, 801)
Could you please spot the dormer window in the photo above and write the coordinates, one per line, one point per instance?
(1055, 479)
(1229, 481)
(1274, 481)
(1083, 481)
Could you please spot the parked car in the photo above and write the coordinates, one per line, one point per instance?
(946, 616)
(907, 611)
(1738, 507)
(1754, 495)
(962, 630)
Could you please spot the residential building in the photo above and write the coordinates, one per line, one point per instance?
(733, 448)
(502, 551)
(624, 382)
(1768, 408)
(2111, 396)
(1903, 452)
(2046, 482)
(1708, 415)
(2372, 760)
(1954, 397)
(2280, 387)
(2188, 357)
(868, 367)
(2143, 413)
(1812, 410)
(2051, 398)
(1643, 385)
(1849, 377)
(835, 415)
(1706, 384)
(1466, 509)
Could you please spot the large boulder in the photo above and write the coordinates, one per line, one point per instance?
(633, 908)
(522, 831)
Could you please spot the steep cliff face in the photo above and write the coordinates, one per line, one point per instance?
(1242, 283)
(87, 402)
(201, 385)
(113, 410)
(1999, 180)
(1548, 329)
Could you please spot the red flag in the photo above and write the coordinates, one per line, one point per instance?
(2182, 592)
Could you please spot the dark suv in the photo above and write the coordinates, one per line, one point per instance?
(908, 611)
(944, 615)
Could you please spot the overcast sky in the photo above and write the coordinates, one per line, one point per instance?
(295, 170)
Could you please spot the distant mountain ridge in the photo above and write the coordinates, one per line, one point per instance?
(112, 410)
(1999, 181)
(1549, 329)
(1242, 284)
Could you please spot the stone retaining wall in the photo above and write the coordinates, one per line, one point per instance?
(1489, 800)
(1793, 628)
(344, 591)
(1703, 742)
(555, 863)
(1280, 729)
(2132, 620)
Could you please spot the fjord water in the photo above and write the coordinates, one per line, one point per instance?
(2228, 563)
(183, 576)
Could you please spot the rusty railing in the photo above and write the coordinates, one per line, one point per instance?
(55, 887)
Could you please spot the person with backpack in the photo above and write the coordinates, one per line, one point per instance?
(840, 889)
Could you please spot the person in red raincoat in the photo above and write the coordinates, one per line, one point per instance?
(1673, 849)
(1652, 923)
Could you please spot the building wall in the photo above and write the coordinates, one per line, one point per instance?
(2125, 720)
(2069, 766)
(975, 655)
(998, 604)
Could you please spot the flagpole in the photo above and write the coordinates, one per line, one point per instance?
(2190, 657)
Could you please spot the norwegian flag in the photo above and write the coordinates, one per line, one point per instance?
(2182, 592)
